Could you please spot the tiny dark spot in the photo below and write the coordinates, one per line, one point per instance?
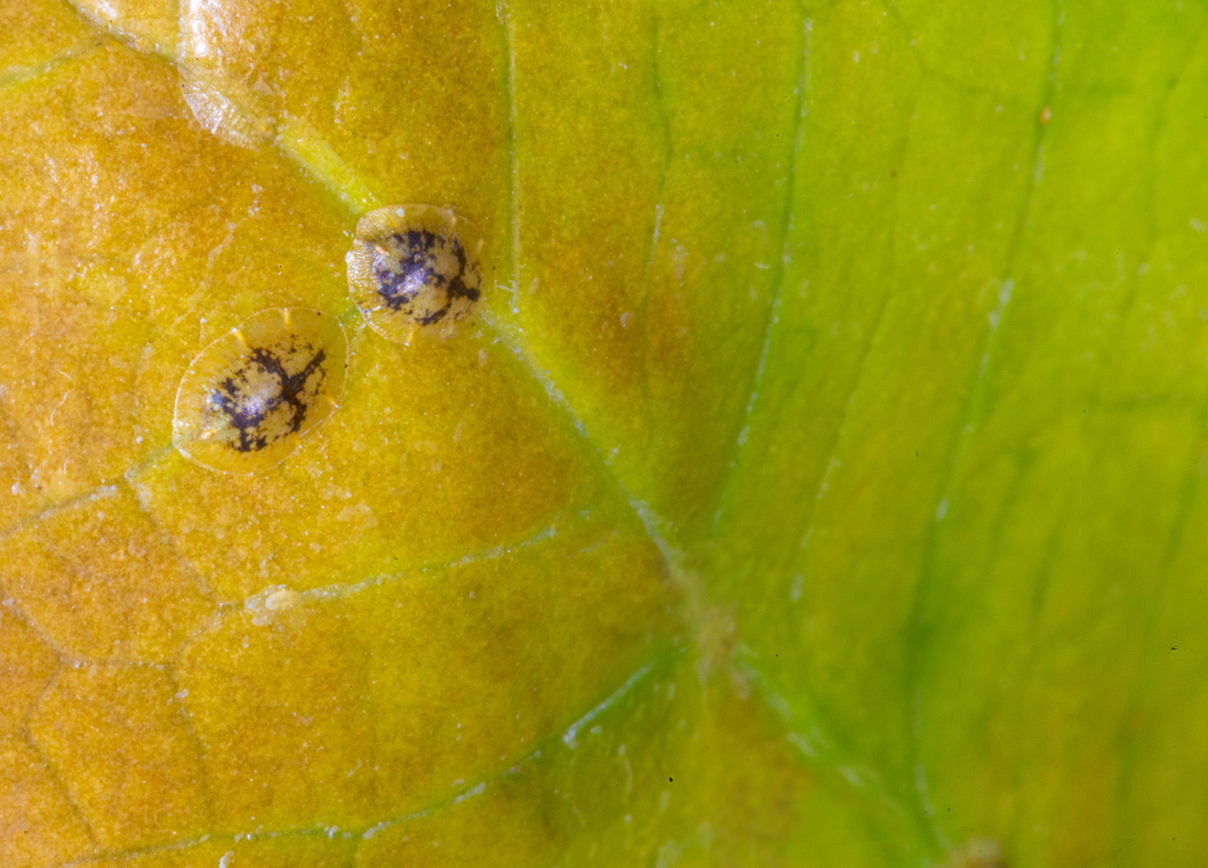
(671, 779)
(1174, 647)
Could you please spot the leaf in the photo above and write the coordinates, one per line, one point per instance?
(446, 627)
(989, 384)
(818, 484)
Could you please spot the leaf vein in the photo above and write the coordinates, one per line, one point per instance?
(961, 433)
(786, 232)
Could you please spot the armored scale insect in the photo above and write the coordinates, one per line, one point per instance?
(248, 397)
(416, 269)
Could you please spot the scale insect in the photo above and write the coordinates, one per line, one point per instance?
(416, 269)
(250, 396)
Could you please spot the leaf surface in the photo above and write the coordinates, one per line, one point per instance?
(818, 483)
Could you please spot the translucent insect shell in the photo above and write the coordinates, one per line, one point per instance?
(416, 269)
(250, 396)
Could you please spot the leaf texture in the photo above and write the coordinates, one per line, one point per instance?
(818, 483)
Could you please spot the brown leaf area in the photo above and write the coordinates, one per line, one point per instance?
(439, 633)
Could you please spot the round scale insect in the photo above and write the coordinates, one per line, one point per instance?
(248, 397)
(416, 269)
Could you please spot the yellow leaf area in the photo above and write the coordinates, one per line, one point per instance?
(458, 624)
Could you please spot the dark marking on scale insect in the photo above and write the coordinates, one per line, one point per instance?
(250, 396)
(413, 267)
(249, 406)
(417, 261)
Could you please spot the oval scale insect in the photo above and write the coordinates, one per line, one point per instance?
(416, 269)
(249, 397)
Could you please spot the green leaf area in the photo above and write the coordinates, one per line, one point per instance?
(818, 484)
